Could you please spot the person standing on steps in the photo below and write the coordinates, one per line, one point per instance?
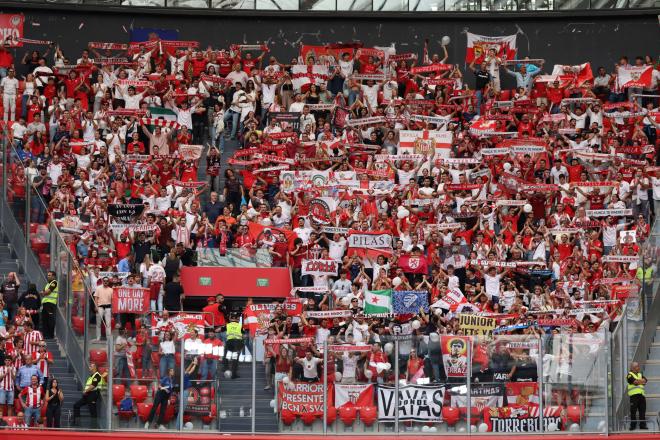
(234, 345)
(91, 393)
(49, 305)
(636, 382)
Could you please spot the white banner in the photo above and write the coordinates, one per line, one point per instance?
(320, 267)
(416, 403)
(370, 241)
(608, 212)
(620, 259)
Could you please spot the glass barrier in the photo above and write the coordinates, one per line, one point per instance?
(375, 5)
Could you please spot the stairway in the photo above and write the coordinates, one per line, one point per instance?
(651, 369)
(237, 393)
(69, 385)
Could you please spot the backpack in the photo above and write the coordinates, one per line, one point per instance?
(126, 404)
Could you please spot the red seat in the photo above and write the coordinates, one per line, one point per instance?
(308, 418)
(169, 414)
(143, 410)
(118, 393)
(347, 414)
(505, 95)
(99, 357)
(368, 415)
(44, 260)
(138, 393)
(287, 417)
(450, 415)
(177, 358)
(78, 324)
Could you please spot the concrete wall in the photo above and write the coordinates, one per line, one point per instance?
(556, 37)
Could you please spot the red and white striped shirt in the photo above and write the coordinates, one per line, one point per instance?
(18, 358)
(42, 364)
(32, 396)
(8, 373)
(30, 339)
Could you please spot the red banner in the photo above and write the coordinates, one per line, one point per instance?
(130, 300)
(11, 28)
(303, 398)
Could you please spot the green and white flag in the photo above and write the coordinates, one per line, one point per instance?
(161, 112)
(377, 301)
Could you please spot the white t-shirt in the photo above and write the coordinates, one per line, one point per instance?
(309, 367)
(492, 285)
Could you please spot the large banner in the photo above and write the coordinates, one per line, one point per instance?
(11, 29)
(360, 395)
(479, 45)
(476, 325)
(302, 397)
(455, 355)
(483, 395)
(416, 403)
(425, 141)
(320, 267)
(130, 300)
(521, 418)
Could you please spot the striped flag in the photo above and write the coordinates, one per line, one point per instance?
(377, 301)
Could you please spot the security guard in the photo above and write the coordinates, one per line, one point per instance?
(234, 344)
(95, 383)
(49, 306)
(636, 382)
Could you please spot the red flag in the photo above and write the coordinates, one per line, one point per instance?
(413, 264)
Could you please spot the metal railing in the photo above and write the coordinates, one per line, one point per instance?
(371, 5)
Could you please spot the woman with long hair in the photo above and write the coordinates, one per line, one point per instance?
(54, 400)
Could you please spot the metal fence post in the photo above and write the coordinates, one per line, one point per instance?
(182, 373)
(396, 386)
(539, 366)
(254, 387)
(325, 387)
(468, 379)
(108, 400)
(609, 386)
(28, 196)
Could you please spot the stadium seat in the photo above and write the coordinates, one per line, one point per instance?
(99, 357)
(450, 415)
(347, 414)
(118, 393)
(308, 418)
(143, 410)
(574, 413)
(78, 324)
(287, 417)
(138, 393)
(505, 95)
(368, 415)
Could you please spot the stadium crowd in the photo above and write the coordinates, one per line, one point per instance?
(515, 204)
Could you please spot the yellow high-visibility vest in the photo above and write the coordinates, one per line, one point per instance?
(52, 296)
(635, 389)
(234, 331)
